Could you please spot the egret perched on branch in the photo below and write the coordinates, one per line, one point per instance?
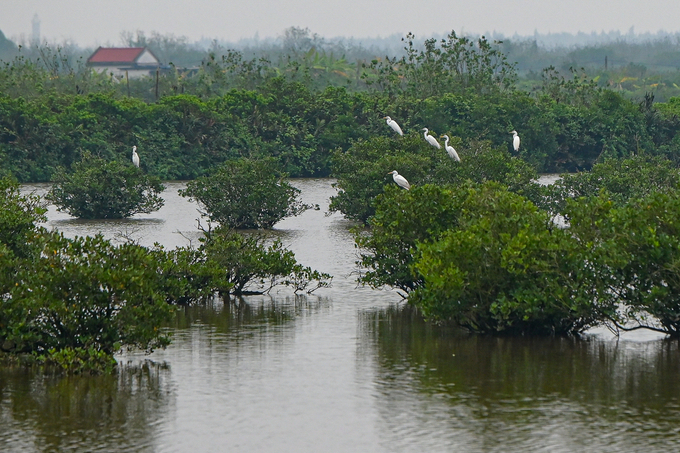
(400, 180)
(431, 140)
(449, 149)
(393, 124)
(515, 141)
(135, 156)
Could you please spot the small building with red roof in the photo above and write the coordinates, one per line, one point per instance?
(136, 61)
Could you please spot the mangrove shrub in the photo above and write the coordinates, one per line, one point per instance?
(362, 170)
(245, 193)
(99, 189)
(84, 293)
(508, 268)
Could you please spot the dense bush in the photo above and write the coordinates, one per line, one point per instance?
(76, 302)
(402, 220)
(622, 180)
(98, 189)
(637, 247)
(507, 268)
(85, 293)
(19, 215)
(362, 170)
(490, 260)
(245, 193)
(235, 107)
(82, 296)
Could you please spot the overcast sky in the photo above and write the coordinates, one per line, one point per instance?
(97, 22)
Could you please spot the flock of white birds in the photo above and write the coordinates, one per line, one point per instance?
(401, 181)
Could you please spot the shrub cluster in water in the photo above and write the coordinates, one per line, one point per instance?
(75, 302)
(246, 193)
(483, 255)
(100, 189)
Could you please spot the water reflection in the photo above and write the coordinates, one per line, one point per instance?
(286, 373)
(520, 394)
(41, 412)
(233, 314)
(251, 378)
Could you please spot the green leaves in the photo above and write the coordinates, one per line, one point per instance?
(362, 170)
(228, 262)
(506, 268)
(490, 260)
(622, 180)
(105, 190)
(246, 194)
(640, 243)
(85, 293)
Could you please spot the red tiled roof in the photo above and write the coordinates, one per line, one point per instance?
(115, 55)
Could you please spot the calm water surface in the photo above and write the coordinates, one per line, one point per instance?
(345, 370)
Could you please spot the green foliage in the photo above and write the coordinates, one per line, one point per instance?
(489, 260)
(638, 246)
(228, 262)
(362, 170)
(306, 279)
(245, 193)
(621, 179)
(652, 276)
(299, 111)
(184, 277)
(74, 302)
(507, 268)
(459, 64)
(80, 360)
(19, 215)
(98, 189)
(244, 264)
(84, 293)
(402, 220)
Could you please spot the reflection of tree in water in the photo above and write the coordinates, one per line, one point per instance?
(229, 314)
(41, 412)
(222, 328)
(518, 394)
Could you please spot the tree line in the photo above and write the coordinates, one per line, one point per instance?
(234, 107)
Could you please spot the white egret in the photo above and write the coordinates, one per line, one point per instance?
(135, 156)
(400, 180)
(449, 149)
(515, 141)
(431, 140)
(393, 124)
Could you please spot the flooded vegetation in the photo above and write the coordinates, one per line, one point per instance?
(349, 369)
(204, 338)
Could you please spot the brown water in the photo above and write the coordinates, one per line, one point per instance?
(348, 370)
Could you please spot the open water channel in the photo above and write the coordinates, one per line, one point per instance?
(349, 369)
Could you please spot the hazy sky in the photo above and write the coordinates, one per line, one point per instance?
(97, 22)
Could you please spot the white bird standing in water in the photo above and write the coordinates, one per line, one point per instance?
(135, 156)
(515, 141)
(400, 180)
(431, 140)
(449, 149)
(393, 124)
